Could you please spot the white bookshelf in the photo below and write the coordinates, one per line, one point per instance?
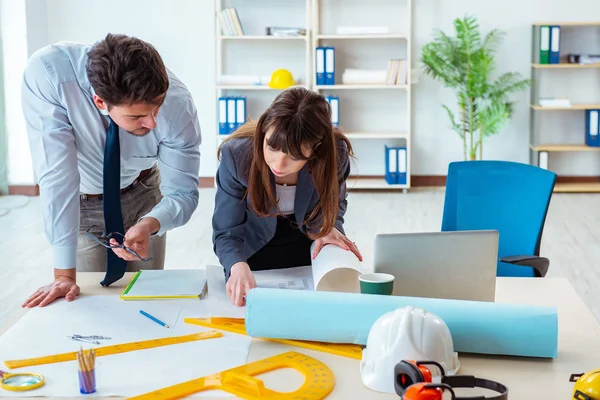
(243, 87)
(370, 183)
(352, 86)
(377, 135)
(259, 37)
(397, 16)
(363, 36)
(261, 53)
(394, 100)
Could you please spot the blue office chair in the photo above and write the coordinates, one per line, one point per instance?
(509, 197)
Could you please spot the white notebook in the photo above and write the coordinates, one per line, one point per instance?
(167, 284)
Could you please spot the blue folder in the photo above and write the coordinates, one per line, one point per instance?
(320, 65)
(402, 164)
(240, 113)
(592, 128)
(223, 129)
(329, 65)
(391, 165)
(334, 103)
(231, 114)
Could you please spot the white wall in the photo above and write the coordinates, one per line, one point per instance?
(183, 32)
(37, 24)
(14, 37)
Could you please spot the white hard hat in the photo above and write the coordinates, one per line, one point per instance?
(407, 333)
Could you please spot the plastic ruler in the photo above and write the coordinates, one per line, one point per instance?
(238, 325)
(114, 349)
(240, 381)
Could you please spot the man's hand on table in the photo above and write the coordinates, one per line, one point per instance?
(64, 285)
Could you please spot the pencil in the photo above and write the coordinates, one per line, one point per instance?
(158, 321)
(83, 371)
(91, 366)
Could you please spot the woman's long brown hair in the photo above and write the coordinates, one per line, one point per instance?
(299, 118)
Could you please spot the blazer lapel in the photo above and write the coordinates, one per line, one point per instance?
(273, 209)
(304, 192)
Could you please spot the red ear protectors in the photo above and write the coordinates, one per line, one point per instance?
(428, 391)
(409, 372)
(412, 381)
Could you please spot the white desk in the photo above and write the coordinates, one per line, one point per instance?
(578, 346)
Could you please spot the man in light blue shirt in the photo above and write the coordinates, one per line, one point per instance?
(114, 138)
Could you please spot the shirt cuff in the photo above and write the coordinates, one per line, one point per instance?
(163, 217)
(65, 257)
(229, 260)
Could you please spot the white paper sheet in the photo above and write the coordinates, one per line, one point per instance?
(287, 278)
(333, 270)
(336, 270)
(286, 283)
(45, 331)
(172, 282)
(217, 302)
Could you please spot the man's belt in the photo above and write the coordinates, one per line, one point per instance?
(143, 175)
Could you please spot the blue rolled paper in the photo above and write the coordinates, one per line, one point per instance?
(334, 317)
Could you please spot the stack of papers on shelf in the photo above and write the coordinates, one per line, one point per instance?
(243, 80)
(555, 102)
(285, 31)
(355, 76)
(583, 58)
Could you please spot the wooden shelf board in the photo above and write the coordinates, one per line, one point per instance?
(575, 23)
(245, 87)
(566, 65)
(573, 107)
(362, 86)
(372, 183)
(361, 135)
(577, 187)
(377, 135)
(563, 147)
(365, 36)
(263, 37)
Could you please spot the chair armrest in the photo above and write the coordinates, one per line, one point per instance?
(539, 264)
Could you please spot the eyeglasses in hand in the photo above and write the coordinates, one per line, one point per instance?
(104, 240)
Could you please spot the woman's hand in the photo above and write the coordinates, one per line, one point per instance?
(239, 283)
(338, 238)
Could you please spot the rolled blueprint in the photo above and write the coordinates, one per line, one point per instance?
(334, 317)
(336, 270)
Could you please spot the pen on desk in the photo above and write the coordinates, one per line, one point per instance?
(158, 321)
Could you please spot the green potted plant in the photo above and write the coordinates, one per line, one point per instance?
(464, 64)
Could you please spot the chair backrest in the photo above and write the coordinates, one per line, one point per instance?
(511, 197)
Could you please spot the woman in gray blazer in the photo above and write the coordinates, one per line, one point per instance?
(281, 184)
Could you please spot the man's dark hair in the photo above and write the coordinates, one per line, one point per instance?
(126, 70)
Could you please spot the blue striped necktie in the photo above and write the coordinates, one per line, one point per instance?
(113, 218)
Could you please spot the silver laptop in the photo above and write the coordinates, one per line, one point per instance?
(457, 265)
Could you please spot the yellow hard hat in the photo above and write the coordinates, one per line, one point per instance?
(281, 79)
(587, 386)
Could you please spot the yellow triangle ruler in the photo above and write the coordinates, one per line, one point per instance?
(240, 381)
(114, 349)
(238, 325)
